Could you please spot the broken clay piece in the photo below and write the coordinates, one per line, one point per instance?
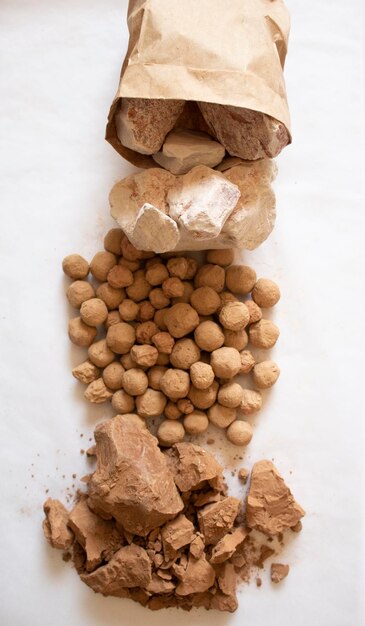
(192, 466)
(55, 525)
(278, 572)
(270, 506)
(184, 149)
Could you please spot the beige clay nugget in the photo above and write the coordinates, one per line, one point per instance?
(230, 395)
(181, 319)
(221, 416)
(144, 355)
(173, 287)
(113, 375)
(234, 315)
(170, 432)
(135, 381)
(226, 362)
(209, 336)
(247, 361)
(93, 312)
(120, 337)
(240, 279)
(146, 311)
(156, 274)
(263, 334)
(112, 297)
(101, 265)
(97, 392)
(202, 375)
(235, 339)
(175, 384)
(239, 433)
(80, 333)
(210, 276)
(251, 401)
(196, 423)
(78, 292)
(151, 403)
(113, 241)
(163, 342)
(122, 402)
(75, 266)
(119, 277)
(254, 311)
(220, 257)
(154, 376)
(128, 310)
(100, 354)
(113, 318)
(266, 293)
(184, 354)
(86, 372)
(139, 290)
(205, 300)
(203, 398)
(265, 374)
(172, 411)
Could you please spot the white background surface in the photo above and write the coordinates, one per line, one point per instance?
(60, 64)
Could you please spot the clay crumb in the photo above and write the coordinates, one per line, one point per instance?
(243, 474)
(258, 582)
(278, 572)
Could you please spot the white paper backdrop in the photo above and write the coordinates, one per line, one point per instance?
(59, 69)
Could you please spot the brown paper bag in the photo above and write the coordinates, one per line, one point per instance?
(228, 52)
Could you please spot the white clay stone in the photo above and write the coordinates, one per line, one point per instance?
(184, 149)
(153, 230)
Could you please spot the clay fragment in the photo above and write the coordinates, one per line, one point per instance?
(55, 527)
(198, 577)
(184, 149)
(158, 585)
(245, 133)
(218, 518)
(197, 546)
(278, 572)
(270, 506)
(176, 534)
(153, 230)
(201, 201)
(142, 124)
(227, 546)
(192, 466)
(99, 538)
(129, 567)
(132, 481)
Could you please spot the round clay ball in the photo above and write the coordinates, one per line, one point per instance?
(158, 299)
(139, 290)
(101, 265)
(127, 361)
(203, 398)
(209, 336)
(266, 293)
(159, 319)
(151, 403)
(178, 266)
(122, 402)
(239, 433)
(170, 432)
(113, 375)
(263, 334)
(173, 287)
(175, 383)
(251, 401)
(156, 274)
(78, 292)
(100, 354)
(130, 265)
(184, 353)
(240, 279)
(172, 411)
(145, 332)
(235, 339)
(210, 276)
(120, 337)
(221, 416)
(193, 266)
(188, 290)
(112, 297)
(205, 300)
(135, 381)
(181, 319)
(75, 266)
(154, 376)
(128, 310)
(254, 311)
(202, 375)
(80, 333)
(230, 395)
(265, 374)
(247, 361)
(220, 257)
(144, 355)
(234, 315)
(113, 241)
(146, 311)
(163, 342)
(113, 318)
(185, 406)
(227, 296)
(93, 312)
(226, 362)
(120, 277)
(196, 423)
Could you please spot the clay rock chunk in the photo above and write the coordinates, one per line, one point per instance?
(216, 519)
(154, 230)
(192, 466)
(201, 201)
(132, 481)
(142, 124)
(176, 534)
(270, 506)
(55, 527)
(197, 578)
(97, 536)
(245, 133)
(129, 567)
(183, 149)
(227, 546)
